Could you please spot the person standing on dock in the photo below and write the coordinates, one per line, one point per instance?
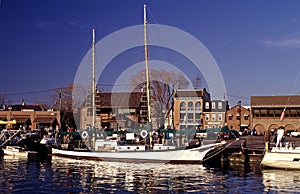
(280, 134)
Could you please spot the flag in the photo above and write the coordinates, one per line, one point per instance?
(282, 115)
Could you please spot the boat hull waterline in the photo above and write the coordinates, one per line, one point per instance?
(194, 155)
(287, 159)
(17, 151)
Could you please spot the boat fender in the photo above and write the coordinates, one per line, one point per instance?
(84, 135)
(144, 133)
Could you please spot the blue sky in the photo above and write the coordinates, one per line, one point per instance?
(256, 44)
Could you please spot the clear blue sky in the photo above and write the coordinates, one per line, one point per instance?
(255, 43)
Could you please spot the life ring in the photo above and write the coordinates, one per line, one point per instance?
(144, 133)
(84, 135)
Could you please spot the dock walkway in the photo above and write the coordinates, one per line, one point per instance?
(251, 148)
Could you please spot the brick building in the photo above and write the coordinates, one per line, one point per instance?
(29, 116)
(188, 108)
(214, 113)
(115, 110)
(266, 112)
(238, 117)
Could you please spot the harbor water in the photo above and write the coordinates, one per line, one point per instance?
(60, 175)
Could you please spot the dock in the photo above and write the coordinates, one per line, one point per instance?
(251, 148)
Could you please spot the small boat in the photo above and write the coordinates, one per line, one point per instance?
(46, 145)
(18, 151)
(287, 158)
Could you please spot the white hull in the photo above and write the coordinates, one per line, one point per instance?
(283, 158)
(17, 151)
(195, 155)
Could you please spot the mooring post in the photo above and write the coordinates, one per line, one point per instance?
(267, 140)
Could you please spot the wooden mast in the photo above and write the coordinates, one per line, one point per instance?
(147, 66)
(93, 80)
(93, 87)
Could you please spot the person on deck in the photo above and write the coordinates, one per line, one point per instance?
(280, 134)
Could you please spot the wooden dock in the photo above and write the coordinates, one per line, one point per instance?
(251, 148)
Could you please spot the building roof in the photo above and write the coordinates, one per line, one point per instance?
(192, 93)
(275, 101)
(119, 99)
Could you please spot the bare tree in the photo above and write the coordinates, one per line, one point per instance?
(197, 82)
(163, 84)
(62, 98)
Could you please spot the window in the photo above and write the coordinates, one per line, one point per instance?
(182, 117)
(246, 117)
(220, 117)
(213, 105)
(213, 117)
(207, 117)
(207, 105)
(220, 105)
(182, 106)
(190, 106)
(190, 118)
(197, 116)
(238, 117)
(230, 117)
(198, 107)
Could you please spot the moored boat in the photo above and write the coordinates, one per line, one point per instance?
(140, 146)
(192, 155)
(287, 158)
(18, 151)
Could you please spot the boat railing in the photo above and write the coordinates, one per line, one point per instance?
(11, 134)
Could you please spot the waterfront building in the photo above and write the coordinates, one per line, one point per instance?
(116, 110)
(29, 117)
(238, 117)
(267, 111)
(189, 108)
(214, 113)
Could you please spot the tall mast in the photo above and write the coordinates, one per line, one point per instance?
(93, 79)
(147, 65)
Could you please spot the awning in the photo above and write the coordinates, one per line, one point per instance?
(44, 120)
(21, 119)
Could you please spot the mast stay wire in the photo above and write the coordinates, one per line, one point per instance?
(292, 89)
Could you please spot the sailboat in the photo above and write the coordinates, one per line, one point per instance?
(112, 149)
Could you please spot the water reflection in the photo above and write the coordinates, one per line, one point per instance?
(61, 175)
(146, 177)
(281, 181)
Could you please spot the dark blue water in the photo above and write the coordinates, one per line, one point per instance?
(60, 175)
